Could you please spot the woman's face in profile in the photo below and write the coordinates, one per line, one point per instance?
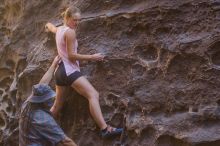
(74, 21)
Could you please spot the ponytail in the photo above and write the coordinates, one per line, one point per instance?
(69, 12)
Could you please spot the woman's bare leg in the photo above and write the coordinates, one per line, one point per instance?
(60, 93)
(83, 87)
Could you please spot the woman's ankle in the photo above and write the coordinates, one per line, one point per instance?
(104, 126)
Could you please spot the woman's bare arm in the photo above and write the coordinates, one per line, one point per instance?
(50, 27)
(49, 74)
(70, 38)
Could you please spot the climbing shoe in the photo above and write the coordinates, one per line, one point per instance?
(110, 132)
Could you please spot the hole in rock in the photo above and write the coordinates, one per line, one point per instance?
(5, 98)
(1, 92)
(132, 134)
(148, 53)
(5, 82)
(163, 30)
(21, 65)
(4, 102)
(10, 63)
(13, 96)
(9, 109)
(181, 65)
(215, 46)
(117, 120)
(214, 53)
(14, 110)
(2, 122)
(137, 70)
(216, 58)
(218, 102)
(5, 72)
(107, 109)
(147, 133)
(140, 28)
(167, 140)
(147, 136)
(131, 91)
(211, 143)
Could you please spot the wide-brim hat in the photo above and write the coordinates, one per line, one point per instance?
(41, 93)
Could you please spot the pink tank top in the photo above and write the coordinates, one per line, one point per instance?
(70, 67)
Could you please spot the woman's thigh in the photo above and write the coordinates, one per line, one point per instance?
(84, 87)
(61, 91)
(59, 99)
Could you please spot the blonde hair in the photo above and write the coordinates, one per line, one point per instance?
(70, 12)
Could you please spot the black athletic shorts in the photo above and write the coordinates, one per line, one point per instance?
(62, 79)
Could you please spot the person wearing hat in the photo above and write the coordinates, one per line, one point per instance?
(37, 126)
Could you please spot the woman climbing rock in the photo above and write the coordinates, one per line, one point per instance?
(68, 72)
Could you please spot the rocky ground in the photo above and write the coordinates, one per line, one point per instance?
(161, 71)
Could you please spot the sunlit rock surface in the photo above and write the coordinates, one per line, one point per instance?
(161, 72)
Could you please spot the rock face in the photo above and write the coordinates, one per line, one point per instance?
(161, 71)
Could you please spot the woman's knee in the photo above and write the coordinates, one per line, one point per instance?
(93, 95)
(96, 95)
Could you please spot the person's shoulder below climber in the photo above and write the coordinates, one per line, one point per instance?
(37, 127)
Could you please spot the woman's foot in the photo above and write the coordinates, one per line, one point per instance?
(109, 132)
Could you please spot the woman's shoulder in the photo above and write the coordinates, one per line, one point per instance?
(70, 32)
(63, 27)
(70, 29)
